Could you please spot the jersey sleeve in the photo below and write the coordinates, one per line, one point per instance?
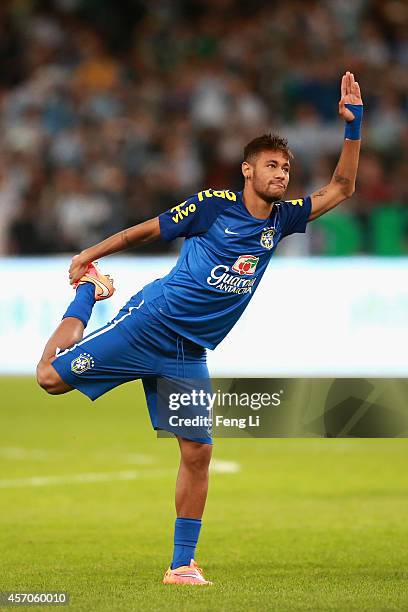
(295, 215)
(195, 215)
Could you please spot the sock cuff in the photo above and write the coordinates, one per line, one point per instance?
(81, 307)
(86, 289)
(187, 521)
(186, 531)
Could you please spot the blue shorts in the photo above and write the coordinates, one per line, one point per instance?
(135, 344)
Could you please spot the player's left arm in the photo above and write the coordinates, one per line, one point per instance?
(342, 184)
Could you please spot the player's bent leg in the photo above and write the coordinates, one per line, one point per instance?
(93, 286)
(49, 379)
(68, 332)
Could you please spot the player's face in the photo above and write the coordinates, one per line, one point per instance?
(270, 175)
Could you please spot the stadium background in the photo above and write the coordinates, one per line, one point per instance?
(110, 113)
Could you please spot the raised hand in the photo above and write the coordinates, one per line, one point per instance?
(350, 94)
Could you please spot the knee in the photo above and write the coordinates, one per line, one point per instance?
(196, 456)
(48, 378)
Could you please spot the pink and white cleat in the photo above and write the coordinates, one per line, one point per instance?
(104, 288)
(186, 574)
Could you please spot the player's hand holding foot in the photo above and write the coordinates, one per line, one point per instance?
(80, 273)
(77, 269)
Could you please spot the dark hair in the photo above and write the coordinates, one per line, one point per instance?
(267, 142)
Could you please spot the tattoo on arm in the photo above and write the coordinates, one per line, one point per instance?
(125, 238)
(320, 193)
(341, 179)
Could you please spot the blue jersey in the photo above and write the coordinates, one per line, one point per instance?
(223, 258)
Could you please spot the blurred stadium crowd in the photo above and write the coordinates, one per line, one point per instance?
(112, 112)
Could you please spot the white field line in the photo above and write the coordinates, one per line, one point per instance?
(217, 466)
(221, 466)
(136, 458)
(91, 477)
(21, 454)
(24, 454)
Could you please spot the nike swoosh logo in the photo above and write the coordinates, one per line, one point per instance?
(104, 289)
(196, 576)
(227, 231)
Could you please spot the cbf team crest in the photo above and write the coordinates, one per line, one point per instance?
(267, 237)
(81, 364)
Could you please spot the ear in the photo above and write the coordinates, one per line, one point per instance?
(246, 170)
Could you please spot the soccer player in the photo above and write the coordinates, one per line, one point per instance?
(165, 329)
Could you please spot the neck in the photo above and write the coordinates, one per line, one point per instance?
(256, 206)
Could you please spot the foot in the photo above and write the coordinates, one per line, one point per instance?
(186, 574)
(104, 288)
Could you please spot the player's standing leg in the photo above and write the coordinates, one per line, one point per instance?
(92, 287)
(191, 495)
(192, 479)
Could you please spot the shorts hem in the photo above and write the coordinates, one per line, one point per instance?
(209, 441)
(68, 380)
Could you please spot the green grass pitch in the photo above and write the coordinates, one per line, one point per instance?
(312, 524)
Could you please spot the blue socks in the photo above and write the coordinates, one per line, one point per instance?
(186, 532)
(81, 306)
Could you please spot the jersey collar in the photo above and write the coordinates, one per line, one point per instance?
(273, 214)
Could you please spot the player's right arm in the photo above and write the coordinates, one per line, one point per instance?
(142, 233)
(192, 217)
